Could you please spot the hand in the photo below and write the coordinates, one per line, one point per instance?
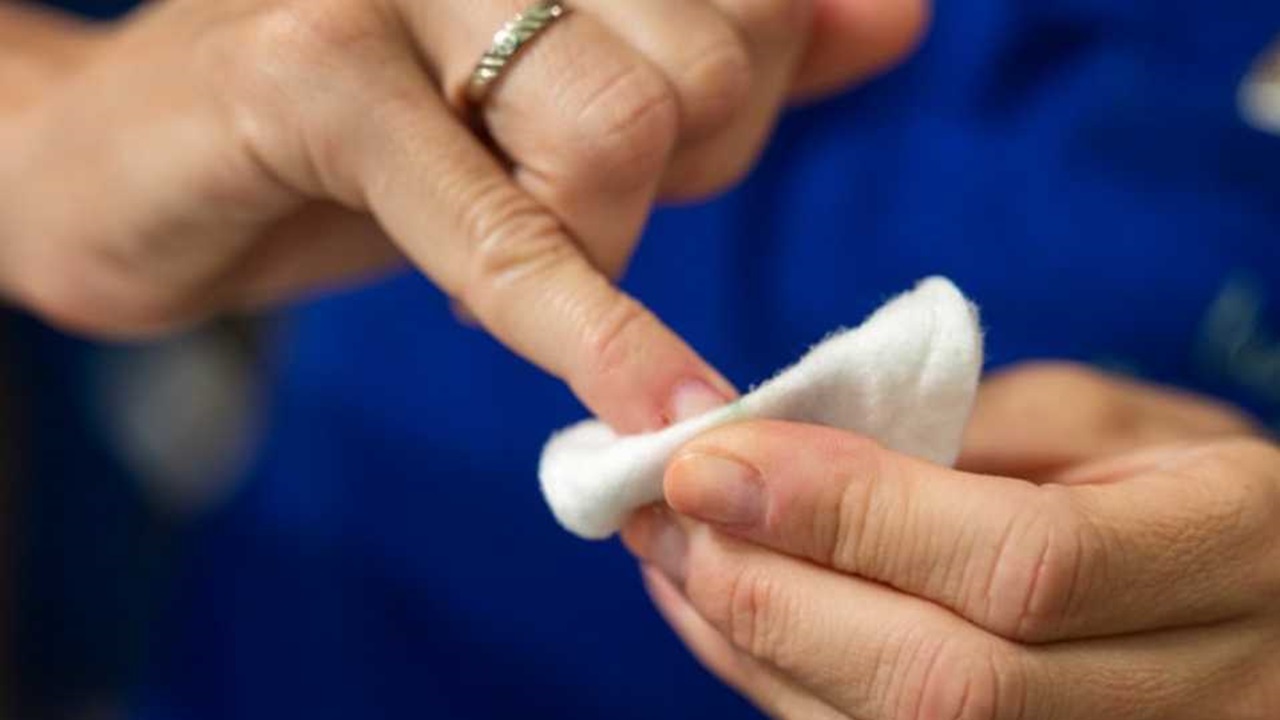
(207, 156)
(1038, 420)
(826, 577)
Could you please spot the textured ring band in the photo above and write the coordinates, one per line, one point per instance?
(507, 42)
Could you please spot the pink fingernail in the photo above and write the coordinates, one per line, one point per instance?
(693, 398)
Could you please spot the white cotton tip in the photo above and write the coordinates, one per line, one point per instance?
(906, 377)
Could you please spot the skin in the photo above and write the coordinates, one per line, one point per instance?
(199, 157)
(202, 157)
(1107, 549)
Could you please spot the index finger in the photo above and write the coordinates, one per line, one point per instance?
(456, 213)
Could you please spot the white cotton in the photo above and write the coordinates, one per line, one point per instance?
(906, 378)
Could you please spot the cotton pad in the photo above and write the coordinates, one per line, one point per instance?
(907, 378)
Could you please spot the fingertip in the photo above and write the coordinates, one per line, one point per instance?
(638, 375)
(854, 39)
(698, 396)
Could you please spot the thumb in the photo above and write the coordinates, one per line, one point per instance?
(855, 39)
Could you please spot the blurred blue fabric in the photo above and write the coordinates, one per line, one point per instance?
(1077, 166)
(89, 555)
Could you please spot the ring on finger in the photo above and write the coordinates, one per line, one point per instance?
(507, 44)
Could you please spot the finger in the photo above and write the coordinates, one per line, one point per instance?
(1218, 671)
(1035, 420)
(587, 122)
(453, 210)
(769, 691)
(323, 248)
(699, 50)
(854, 39)
(775, 34)
(813, 628)
(1034, 563)
(858, 646)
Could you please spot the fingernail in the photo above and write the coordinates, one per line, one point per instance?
(717, 489)
(693, 398)
(668, 546)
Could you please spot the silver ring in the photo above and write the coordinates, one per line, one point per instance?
(507, 42)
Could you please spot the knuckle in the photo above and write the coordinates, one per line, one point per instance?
(1240, 480)
(625, 129)
(754, 621)
(614, 339)
(305, 36)
(1236, 512)
(262, 69)
(952, 679)
(512, 237)
(1042, 569)
(846, 536)
(771, 18)
(716, 85)
(748, 605)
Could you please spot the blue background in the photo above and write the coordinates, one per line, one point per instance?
(1077, 166)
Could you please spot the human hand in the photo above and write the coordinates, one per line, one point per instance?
(826, 577)
(1038, 420)
(208, 156)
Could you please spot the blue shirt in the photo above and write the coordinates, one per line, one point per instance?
(1077, 166)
